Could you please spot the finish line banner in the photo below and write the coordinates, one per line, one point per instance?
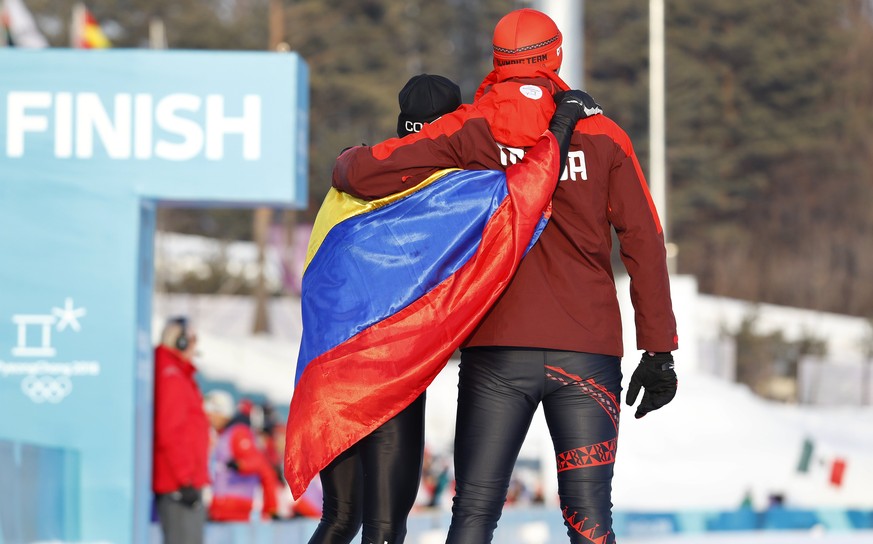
(91, 142)
(171, 125)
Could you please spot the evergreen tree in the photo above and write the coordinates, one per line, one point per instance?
(768, 118)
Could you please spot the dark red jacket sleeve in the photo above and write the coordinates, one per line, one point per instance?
(397, 164)
(641, 238)
(466, 138)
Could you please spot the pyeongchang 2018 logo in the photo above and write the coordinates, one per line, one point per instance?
(43, 378)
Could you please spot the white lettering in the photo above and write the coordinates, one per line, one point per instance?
(575, 169)
(249, 126)
(92, 117)
(142, 135)
(189, 130)
(64, 125)
(175, 127)
(510, 155)
(18, 121)
(413, 126)
(575, 166)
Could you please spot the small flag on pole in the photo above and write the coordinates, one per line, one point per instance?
(85, 31)
(805, 456)
(838, 470)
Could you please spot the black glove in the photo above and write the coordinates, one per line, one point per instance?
(574, 99)
(232, 464)
(572, 105)
(189, 495)
(655, 373)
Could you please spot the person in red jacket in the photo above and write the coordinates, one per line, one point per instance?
(239, 468)
(181, 437)
(554, 337)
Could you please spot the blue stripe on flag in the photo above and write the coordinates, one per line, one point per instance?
(373, 265)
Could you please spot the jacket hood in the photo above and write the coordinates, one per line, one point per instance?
(517, 102)
(547, 79)
(517, 113)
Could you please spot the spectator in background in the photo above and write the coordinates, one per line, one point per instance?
(438, 476)
(267, 433)
(219, 408)
(239, 466)
(310, 504)
(181, 437)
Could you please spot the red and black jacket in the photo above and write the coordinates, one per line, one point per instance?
(563, 295)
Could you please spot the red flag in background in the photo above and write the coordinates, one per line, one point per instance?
(838, 470)
(85, 31)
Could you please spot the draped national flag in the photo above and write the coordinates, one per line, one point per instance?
(17, 27)
(85, 31)
(392, 287)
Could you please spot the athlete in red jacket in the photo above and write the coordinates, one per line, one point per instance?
(239, 468)
(181, 437)
(555, 335)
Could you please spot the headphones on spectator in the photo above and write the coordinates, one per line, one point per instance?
(182, 341)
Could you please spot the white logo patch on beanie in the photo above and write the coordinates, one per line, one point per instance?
(531, 91)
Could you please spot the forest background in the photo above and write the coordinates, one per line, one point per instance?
(769, 114)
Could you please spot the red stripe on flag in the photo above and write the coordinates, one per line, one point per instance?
(351, 390)
(346, 393)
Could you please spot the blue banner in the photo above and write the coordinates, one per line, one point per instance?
(182, 126)
(90, 143)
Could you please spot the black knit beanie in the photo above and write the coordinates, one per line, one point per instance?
(423, 99)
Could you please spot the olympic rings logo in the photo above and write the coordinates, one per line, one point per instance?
(51, 389)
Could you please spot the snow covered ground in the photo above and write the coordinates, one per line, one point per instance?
(762, 537)
(713, 445)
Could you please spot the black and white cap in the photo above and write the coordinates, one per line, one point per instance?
(424, 99)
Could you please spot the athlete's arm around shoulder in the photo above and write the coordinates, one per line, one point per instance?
(392, 166)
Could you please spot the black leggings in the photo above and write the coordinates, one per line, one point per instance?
(498, 392)
(374, 483)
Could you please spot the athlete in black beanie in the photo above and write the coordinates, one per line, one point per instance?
(424, 99)
(373, 484)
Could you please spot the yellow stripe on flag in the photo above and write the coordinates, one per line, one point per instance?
(94, 38)
(339, 206)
